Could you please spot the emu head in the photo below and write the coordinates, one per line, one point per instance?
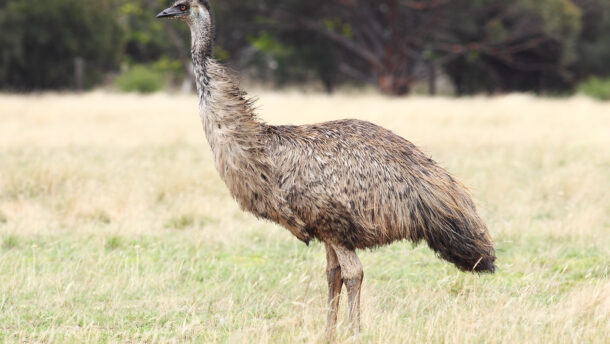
(192, 12)
(198, 15)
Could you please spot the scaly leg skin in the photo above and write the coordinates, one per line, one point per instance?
(352, 274)
(333, 274)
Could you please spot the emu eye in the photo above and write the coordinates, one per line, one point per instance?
(183, 8)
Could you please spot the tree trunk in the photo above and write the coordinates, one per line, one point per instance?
(394, 77)
(431, 78)
(393, 84)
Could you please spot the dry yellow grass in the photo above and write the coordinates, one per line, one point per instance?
(115, 226)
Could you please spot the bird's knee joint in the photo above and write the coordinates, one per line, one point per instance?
(332, 273)
(354, 274)
(353, 282)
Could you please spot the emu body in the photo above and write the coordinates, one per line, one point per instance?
(349, 184)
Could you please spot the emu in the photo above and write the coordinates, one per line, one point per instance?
(349, 184)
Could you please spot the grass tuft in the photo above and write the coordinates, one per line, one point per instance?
(114, 242)
(10, 242)
(181, 222)
(99, 216)
(186, 221)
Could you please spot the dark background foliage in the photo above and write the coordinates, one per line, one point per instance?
(39, 41)
(491, 46)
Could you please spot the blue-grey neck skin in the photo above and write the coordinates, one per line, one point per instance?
(201, 58)
(202, 36)
(201, 24)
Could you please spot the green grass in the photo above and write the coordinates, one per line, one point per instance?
(114, 242)
(9, 242)
(177, 286)
(188, 221)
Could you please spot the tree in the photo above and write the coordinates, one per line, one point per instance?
(41, 39)
(393, 43)
(593, 45)
(520, 45)
(482, 45)
(387, 39)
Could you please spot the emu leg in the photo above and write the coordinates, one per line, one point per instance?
(352, 274)
(333, 274)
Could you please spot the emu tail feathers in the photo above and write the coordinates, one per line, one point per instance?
(449, 223)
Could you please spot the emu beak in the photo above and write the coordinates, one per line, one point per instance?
(169, 13)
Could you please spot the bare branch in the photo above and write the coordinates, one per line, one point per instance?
(422, 5)
(360, 50)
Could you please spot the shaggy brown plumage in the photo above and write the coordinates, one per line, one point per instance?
(349, 184)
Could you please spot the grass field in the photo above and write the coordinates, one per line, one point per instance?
(115, 227)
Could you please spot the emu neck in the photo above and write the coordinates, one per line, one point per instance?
(230, 124)
(201, 40)
(201, 51)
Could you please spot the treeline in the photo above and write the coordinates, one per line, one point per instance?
(545, 46)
